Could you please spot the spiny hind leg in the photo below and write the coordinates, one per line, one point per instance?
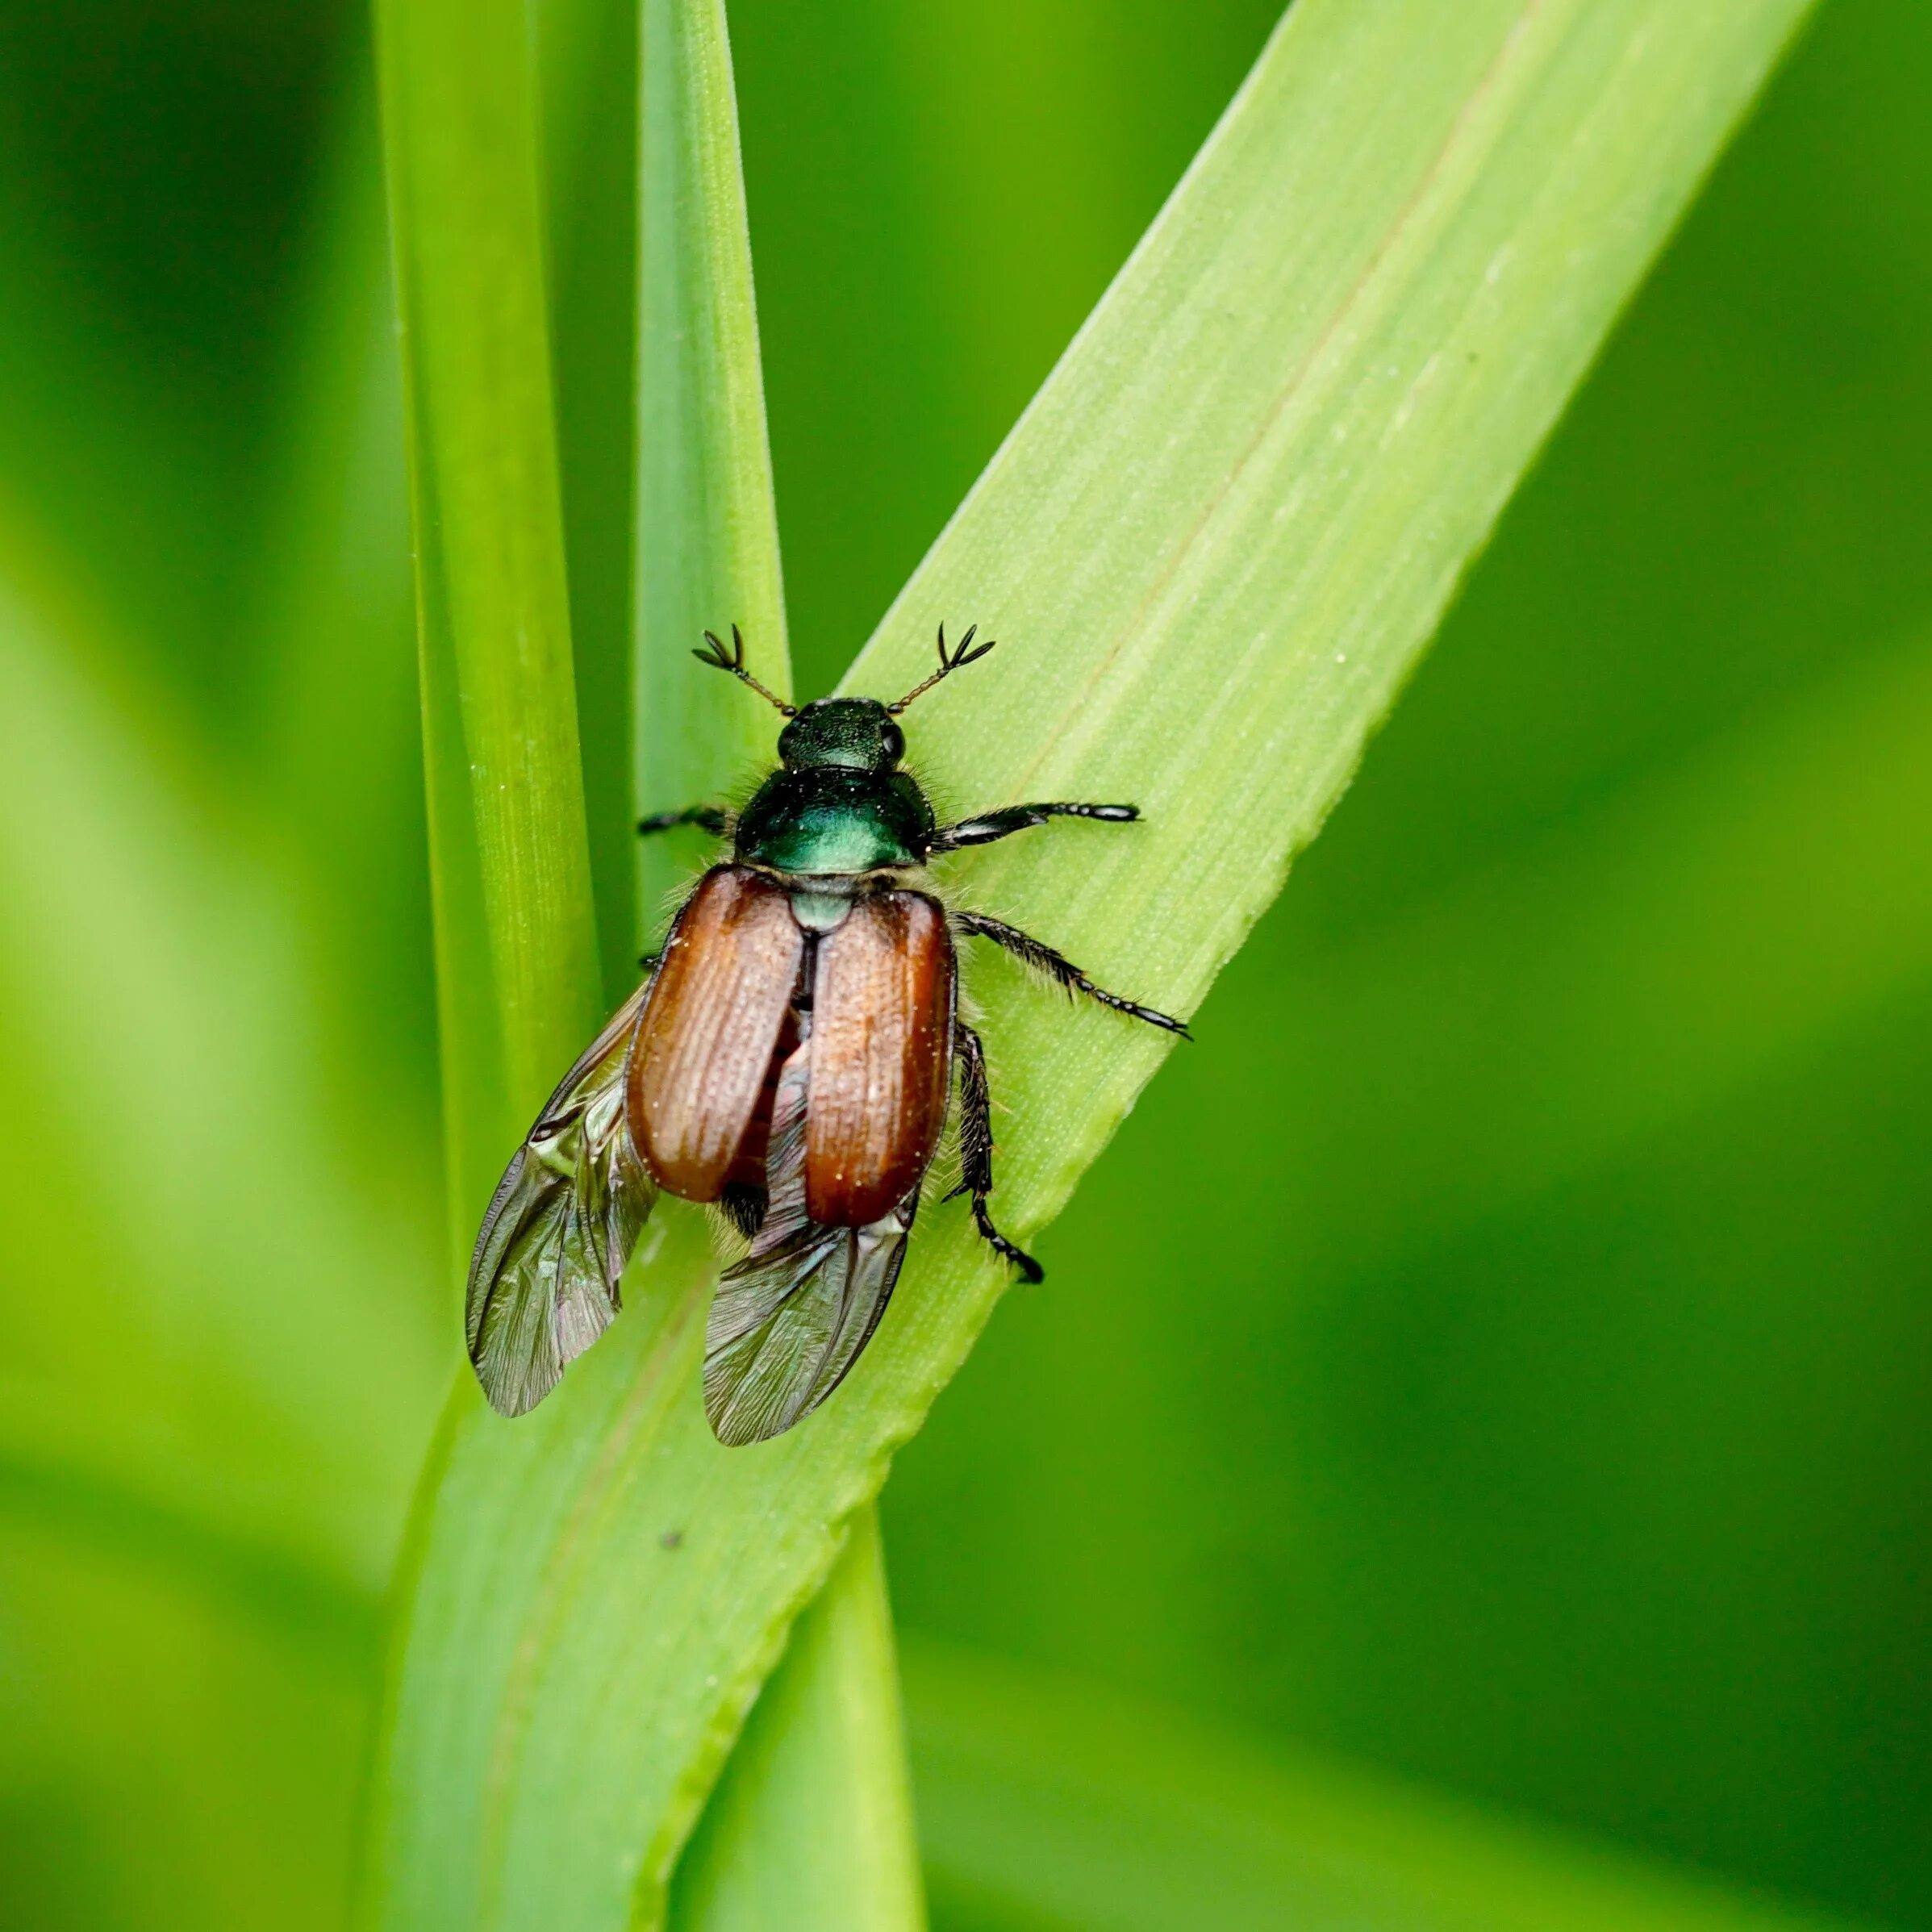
(1057, 966)
(976, 1148)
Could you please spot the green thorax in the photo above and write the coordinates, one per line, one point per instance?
(834, 818)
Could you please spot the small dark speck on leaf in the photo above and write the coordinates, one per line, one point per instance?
(671, 1539)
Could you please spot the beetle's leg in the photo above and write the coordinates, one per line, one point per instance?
(1057, 966)
(976, 1147)
(707, 818)
(744, 1207)
(991, 825)
(648, 963)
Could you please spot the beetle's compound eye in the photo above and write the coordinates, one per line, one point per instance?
(893, 742)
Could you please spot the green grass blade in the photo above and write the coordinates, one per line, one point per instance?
(587, 64)
(811, 1825)
(219, 1370)
(1223, 534)
(705, 545)
(153, 953)
(516, 939)
(815, 1813)
(516, 957)
(706, 533)
(1048, 1802)
(338, 737)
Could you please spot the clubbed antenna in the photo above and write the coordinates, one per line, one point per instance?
(733, 661)
(949, 662)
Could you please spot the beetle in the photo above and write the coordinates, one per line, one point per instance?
(790, 1057)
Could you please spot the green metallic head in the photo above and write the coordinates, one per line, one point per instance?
(842, 734)
(856, 733)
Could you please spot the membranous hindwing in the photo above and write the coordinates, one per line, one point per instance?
(789, 1319)
(560, 1229)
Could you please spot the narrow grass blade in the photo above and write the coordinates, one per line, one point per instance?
(338, 744)
(1049, 1802)
(811, 1825)
(517, 982)
(1215, 545)
(218, 1373)
(150, 955)
(587, 68)
(815, 1814)
(516, 939)
(707, 531)
(706, 546)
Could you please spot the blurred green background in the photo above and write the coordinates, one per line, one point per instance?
(1500, 1351)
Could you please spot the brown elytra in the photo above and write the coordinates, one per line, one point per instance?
(719, 1019)
(882, 1028)
(710, 1029)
